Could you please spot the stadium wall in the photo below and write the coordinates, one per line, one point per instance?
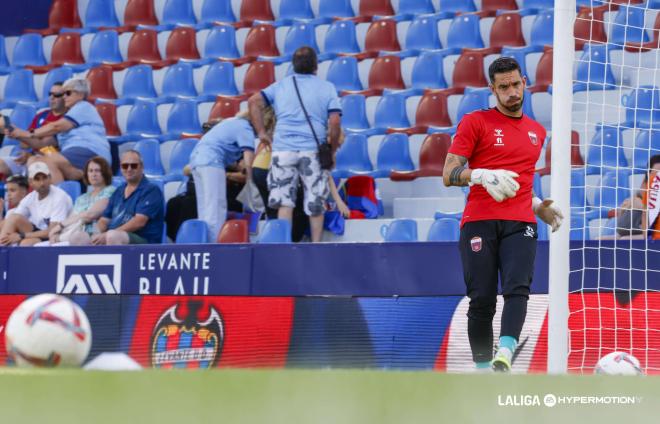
(19, 15)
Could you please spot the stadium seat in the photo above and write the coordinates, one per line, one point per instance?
(149, 149)
(72, 188)
(399, 230)
(343, 73)
(101, 13)
(375, 7)
(295, 9)
(219, 79)
(178, 12)
(217, 11)
(382, 35)
(391, 112)
(143, 47)
(275, 231)
(538, 4)
(300, 34)
(576, 157)
(589, 26)
(593, 69)
(182, 119)
(422, 34)
(464, 32)
(256, 10)
(469, 69)
(180, 157)
(260, 41)
(578, 225)
(28, 51)
(100, 83)
(21, 117)
(335, 9)
(393, 155)
(578, 198)
(647, 144)
(649, 45)
(4, 62)
(108, 112)
(495, 5)
(66, 50)
(139, 12)
(182, 44)
(225, 107)
(444, 229)
(628, 26)
(258, 76)
(19, 88)
(62, 14)
(432, 157)
(192, 231)
(142, 121)
(604, 153)
(354, 116)
(507, 31)
(178, 81)
(642, 107)
(234, 231)
(221, 42)
(138, 82)
(352, 157)
(427, 71)
(543, 77)
(541, 33)
(611, 192)
(341, 38)
(473, 99)
(457, 6)
(520, 54)
(385, 73)
(432, 110)
(59, 74)
(104, 48)
(415, 7)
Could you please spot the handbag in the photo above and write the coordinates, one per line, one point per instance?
(325, 150)
(250, 197)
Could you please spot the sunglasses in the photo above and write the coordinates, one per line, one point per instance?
(56, 95)
(68, 92)
(130, 165)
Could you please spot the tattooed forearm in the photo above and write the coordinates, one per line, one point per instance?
(453, 174)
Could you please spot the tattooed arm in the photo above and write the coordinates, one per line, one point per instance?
(455, 173)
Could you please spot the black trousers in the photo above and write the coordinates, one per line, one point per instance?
(492, 249)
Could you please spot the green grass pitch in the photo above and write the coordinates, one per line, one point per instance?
(313, 396)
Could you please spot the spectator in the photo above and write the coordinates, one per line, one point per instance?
(294, 147)
(222, 146)
(11, 165)
(633, 215)
(80, 135)
(134, 214)
(38, 212)
(16, 188)
(80, 225)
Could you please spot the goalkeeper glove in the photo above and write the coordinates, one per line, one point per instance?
(499, 183)
(549, 213)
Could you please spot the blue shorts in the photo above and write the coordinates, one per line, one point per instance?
(78, 156)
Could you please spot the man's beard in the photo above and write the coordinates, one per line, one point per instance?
(515, 107)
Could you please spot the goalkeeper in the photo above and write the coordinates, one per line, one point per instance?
(498, 229)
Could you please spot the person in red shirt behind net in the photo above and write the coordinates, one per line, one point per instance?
(498, 229)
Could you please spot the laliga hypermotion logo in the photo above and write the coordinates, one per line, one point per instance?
(186, 341)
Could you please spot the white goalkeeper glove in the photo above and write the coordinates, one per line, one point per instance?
(549, 213)
(499, 183)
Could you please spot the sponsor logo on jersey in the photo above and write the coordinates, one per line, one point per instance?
(533, 137)
(85, 274)
(475, 243)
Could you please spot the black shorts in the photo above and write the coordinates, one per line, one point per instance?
(497, 247)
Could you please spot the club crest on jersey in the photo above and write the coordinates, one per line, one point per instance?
(499, 137)
(529, 232)
(533, 138)
(475, 244)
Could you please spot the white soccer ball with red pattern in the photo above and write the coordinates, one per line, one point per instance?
(48, 330)
(618, 363)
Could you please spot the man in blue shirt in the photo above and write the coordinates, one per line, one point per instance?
(295, 150)
(135, 212)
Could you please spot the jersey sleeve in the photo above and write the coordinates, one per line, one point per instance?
(245, 139)
(334, 104)
(268, 93)
(466, 137)
(77, 114)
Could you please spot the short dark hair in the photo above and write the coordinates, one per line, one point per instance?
(502, 65)
(655, 159)
(58, 83)
(304, 60)
(19, 180)
(105, 170)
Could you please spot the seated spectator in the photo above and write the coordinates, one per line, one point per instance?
(11, 165)
(80, 225)
(635, 217)
(16, 188)
(80, 135)
(134, 214)
(38, 212)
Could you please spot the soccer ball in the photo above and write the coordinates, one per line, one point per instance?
(48, 330)
(618, 363)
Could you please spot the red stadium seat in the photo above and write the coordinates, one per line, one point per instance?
(182, 44)
(589, 25)
(543, 72)
(143, 48)
(234, 231)
(66, 50)
(382, 35)
(258, 76)
(108, 112)
(576, 157)
(507, 31)
(376, 7)
(494, 5)
(101, 84)
(432, 111)
(260, 41)
(62, 14)
(431, 158)
(256, 10)
(385, 72)
(139, 12)
(469, 69)
(225, 107)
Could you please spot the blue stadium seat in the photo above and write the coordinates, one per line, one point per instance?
(642, 107)
(180, 157)
(217, 11)
(444, 229)
(415, 7)
(527, 105)
(628, 26)
(300, 34)
(352, 156)
(192, 231)
(612, 191)
(149, 149)
(464, 32)
(541, 33)
(593, 69)
(604, 153)
(4, 62)
(182, 119)
(647, 144)
(354, 116)
(399, 230)
(72, 188)
(578, 192)
(179, 81)
(177, 12)
(295, 9)
(142, 121)
(538, 4)
(138, 82)
(428, 72)
(473, 99)
(391, 112)
(422, 34)
(218, 80)
(21, 117)
(221, 42)
(393, 155)
(60, 74)
(28, 50)
(453, 215)
(343, 73)
(341, 38)
(275, 231)
(101, 13)
(335, 8)
(520, 54)
(104, 48)
(457, 6)
(19, 88)
(578, 228)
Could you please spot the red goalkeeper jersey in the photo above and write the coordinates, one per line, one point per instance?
(491, 140)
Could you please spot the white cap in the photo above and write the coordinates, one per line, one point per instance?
(38, 168)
